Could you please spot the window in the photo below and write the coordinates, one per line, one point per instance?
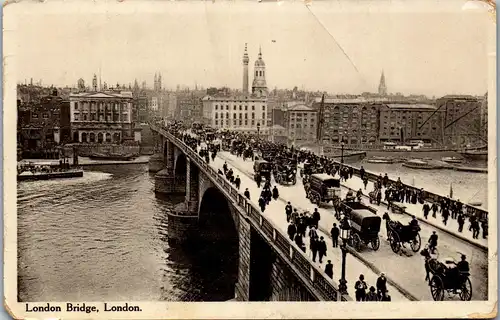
(241, 122)
(227, 107)
(234, 115)
(84, 117)
(256, 73)
(234, 122)
(253, 122)
(253, 116)
(77, 117)
(240, 107)
(253, 108)
(227, 122)
(246, 107)
(216, 107)
(246, 115)
(227, 115)
(263, 115)
(234, 107)
(45, 116)
(216, 122)
(216, 115)
(241, 115)
(246, 122)
(34, 116)
(76, 105)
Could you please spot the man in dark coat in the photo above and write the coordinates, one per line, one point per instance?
(362, 173)
(335, 235)
(381, 285)
(247, 194)
(262, 204)
(426, 209)
(316, 217)
(313, 245)
(360, 286)
(292, 230)
(461, 222)
(329, 269)
(275, 193)
(299, 241)
(237, 182)
(321, 245)
(288, 211)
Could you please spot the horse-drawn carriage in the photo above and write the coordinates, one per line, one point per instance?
(262, 169)
(400, 234)
(447, 277)
(286, 175)
(322, 187)
(365, 225)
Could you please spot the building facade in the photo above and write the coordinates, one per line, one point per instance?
(404, 122)
(43, 125)
(354, 121)
(462, 120)
(302, 124)
(235, 113)
(102, 117)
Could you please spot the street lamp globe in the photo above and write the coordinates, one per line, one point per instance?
(345, 230)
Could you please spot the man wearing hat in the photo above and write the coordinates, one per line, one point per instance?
(381, 285)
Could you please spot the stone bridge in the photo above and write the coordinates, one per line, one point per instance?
(270, 267)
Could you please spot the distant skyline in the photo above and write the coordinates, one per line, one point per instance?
(327, 47)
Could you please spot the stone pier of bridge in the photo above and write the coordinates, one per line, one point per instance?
(212, 212)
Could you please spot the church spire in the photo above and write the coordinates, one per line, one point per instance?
(382, 88)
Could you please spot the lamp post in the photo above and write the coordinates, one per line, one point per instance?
(345, 231)
(342, 151)
(258, 131)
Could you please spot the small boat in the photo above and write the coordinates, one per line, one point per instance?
(475, 154)
(32, 176)
(111, 156)
(420, 164)
(380, 161)
(452, 160)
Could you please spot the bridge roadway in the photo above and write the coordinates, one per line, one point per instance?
(406, 269)
(275, 212)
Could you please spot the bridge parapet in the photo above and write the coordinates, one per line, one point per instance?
(318, 283)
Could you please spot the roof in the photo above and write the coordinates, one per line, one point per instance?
(105, 94)
(351, 100)
(233, 98)
(301, 107)
(410, 106)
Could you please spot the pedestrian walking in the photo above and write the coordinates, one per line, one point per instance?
(321, 245)
(300, 242)
(360, 287)
(237, 182)
(292, 230)
(329, 269)
(381, 285)
(316, 217)
(313, 246)
(334, 232)
(247, 194)
(288, 211)
(461, 221)
(426, 209)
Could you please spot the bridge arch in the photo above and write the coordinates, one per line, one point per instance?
(180, 165)
(219, 241)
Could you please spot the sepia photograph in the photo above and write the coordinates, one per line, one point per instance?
(161, 156)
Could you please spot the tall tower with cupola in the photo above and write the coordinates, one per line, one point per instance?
(259, 86)
(245, 71)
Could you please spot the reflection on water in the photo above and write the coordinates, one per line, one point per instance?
(467, 186)
(104, 237)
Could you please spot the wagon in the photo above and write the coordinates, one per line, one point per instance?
(365, 226)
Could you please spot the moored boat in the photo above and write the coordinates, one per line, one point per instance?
(475, 154)
(452, 160)
(111, 156)
(420, 164)
(48, 175)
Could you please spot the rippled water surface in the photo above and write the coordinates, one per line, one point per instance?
(104, 237)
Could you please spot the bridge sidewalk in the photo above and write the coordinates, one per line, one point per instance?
(275, 211)
(416, 209)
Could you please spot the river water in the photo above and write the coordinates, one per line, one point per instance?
(103, 237)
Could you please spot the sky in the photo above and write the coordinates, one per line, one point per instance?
(331, 46)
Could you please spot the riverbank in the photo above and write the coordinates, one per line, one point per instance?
(87, 162)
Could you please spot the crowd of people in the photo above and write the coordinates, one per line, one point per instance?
(302, 224)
